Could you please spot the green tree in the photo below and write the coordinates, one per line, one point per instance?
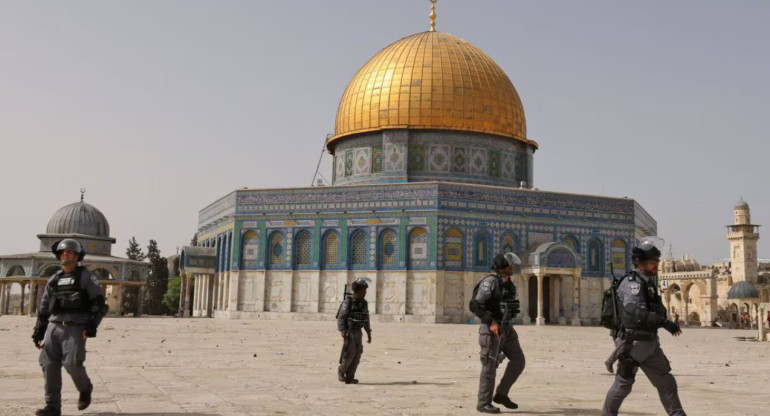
(174, 291)
(157, 281)
(134, 252)
(194, 241)
(131, 293)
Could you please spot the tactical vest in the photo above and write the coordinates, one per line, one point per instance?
(651, 299)
(67, 293)
(507, 292)
(358, 314)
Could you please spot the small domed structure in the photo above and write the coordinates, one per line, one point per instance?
(743, 290)
(79, 218)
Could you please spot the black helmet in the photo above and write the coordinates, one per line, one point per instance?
(359, 283)
(647, 249)
(499, 262)
(68, 244)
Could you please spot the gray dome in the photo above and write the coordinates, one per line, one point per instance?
(741, 204)
(742, 290)
(79, 218)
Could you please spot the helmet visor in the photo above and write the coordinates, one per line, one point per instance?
(651, 241)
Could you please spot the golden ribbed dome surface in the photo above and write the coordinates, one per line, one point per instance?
(431, 80)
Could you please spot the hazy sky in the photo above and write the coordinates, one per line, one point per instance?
(159, 108)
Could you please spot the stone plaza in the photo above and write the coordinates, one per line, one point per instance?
(207, 367)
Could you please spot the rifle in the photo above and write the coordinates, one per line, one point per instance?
(509, 309)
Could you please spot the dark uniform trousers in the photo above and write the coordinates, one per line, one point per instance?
(657, 368)
(512, 350)
(63, 346)
(353, 347)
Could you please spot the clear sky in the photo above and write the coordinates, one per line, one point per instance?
(159, 108)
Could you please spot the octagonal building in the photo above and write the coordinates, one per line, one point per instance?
(433, 175)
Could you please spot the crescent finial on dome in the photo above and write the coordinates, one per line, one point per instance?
(432, 15)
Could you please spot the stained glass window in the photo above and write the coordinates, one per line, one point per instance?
(453, 248)
(331, 248)
(619, 255)
(481, 250)
(303, 248)
(595, 255)
(509, 243)
(276, 249)
(358, 248)
(388, 248)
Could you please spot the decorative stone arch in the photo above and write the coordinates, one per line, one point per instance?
(99, 271)
(15, 270)
(48, 269)
(249, 249)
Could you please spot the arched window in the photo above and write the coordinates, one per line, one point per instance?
(619, 255)
(358, 253)
(249, 250)
(15, 271)
(275, 249)
(509, 243)
(49, 271)
(388, 252)
(303, 248)
(595, 256)
(571, 241)
(481, 250)
(331, 253)
(453, 248)
(418, 248)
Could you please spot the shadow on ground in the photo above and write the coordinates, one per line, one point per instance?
(152, 414)
(570, 412)
(405, 383)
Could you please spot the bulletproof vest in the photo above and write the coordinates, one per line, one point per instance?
(67, 294)
(358, 314)
(651, 298)
(503, 292)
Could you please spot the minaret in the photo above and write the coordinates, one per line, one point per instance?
(743, 236)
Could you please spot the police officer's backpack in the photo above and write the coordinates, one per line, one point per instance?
(609, 318)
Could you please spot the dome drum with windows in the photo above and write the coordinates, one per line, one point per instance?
(431, 106)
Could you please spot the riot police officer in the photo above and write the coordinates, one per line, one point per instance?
(641, 314)
(353, 315)
(494, 302)
(71, 309)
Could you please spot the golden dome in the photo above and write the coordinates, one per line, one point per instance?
(431, 80)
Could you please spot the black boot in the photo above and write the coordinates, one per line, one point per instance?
(505, 401)
(340, 376)
(351, 381)
(48, 411)
(488, 408)
(85, 399)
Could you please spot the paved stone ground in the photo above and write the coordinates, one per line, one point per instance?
(168, 366)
